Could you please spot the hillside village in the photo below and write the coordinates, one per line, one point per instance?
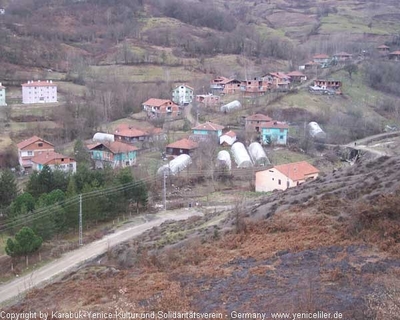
(232, 155)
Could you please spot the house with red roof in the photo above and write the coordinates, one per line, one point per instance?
(208, 129)
(126, 133)
(159, 108)
(228, 138)
(182, 94)
(285, 176)
(297, 77)
(342, 56)
(311, 65)
(274, 132)
(255, 87)
(320, 58)
(115, 154)
(55, 161)
(30, 148)
(395, 56)
(384, 50)
(222, 85)
(278, 80)
(255, 121)
(39, 92)
(183, 146)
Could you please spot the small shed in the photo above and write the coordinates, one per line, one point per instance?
(228, 138)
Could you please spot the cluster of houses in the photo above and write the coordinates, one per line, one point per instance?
(385, 51)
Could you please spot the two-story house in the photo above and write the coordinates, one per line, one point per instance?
(125, 133)
(321, 58)
(256, 121)
(183, 94)
(285, 176)
(39, 92)
(30, 148)
(255, 87)
(55, 161)
(395, 56)
(114, 153)
(208, 129)
(2, 95)
(342, 56)
(297, 76)
(158, 108)
(383, 49)
(278, 80)
(274, 132)
(209, 100)
(222, 85)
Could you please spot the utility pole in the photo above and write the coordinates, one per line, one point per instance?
(165, 193)
(197, 116)
(80, 221)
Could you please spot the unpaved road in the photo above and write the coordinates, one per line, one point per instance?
(74, 258)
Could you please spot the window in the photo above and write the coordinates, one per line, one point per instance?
(279, 182)
(281, 137)
(40, 144)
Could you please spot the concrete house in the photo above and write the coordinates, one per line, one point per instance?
(285, 176)
(395, 56)
(274, 132)
(39, 92)
(30, 148)
(279, 80)
(209, 100)
(256, 121)
(2, 95)
(55, 161)
(222, 85)
(333, 86)
(320, 58)
(311, 65)
(182, 94)
(158, 108)
(115, 154)
(255, 87)
(183, 146)
(208, 129)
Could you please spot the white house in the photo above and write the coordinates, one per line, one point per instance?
(2, 95)
(285, 176)
(39, 92)
(2, 11)
(228, 138)
(182, 94)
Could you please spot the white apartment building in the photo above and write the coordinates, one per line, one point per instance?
(39, 92)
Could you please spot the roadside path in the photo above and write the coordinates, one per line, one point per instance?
(75, 258)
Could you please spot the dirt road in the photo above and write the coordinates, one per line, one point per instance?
(74, 258)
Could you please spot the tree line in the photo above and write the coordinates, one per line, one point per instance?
(49, 204)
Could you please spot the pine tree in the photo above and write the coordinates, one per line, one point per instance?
(8, 188)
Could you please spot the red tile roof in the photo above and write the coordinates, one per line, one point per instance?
(311, 63)
(396, 53)
(53, 157)
(274, 124)
(27, 142)
(125, 130)
(321, 56)
(39, 84)
(115, 147)
(296, 74)
(208, 126)
(383, 47)
(258, 117)
(157, 102)
(183, 144)
(279, 75)
(297, 170)
(230, 133)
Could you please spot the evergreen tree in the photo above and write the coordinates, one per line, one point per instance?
(8, 188)
(82, 155)
(24, 243)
